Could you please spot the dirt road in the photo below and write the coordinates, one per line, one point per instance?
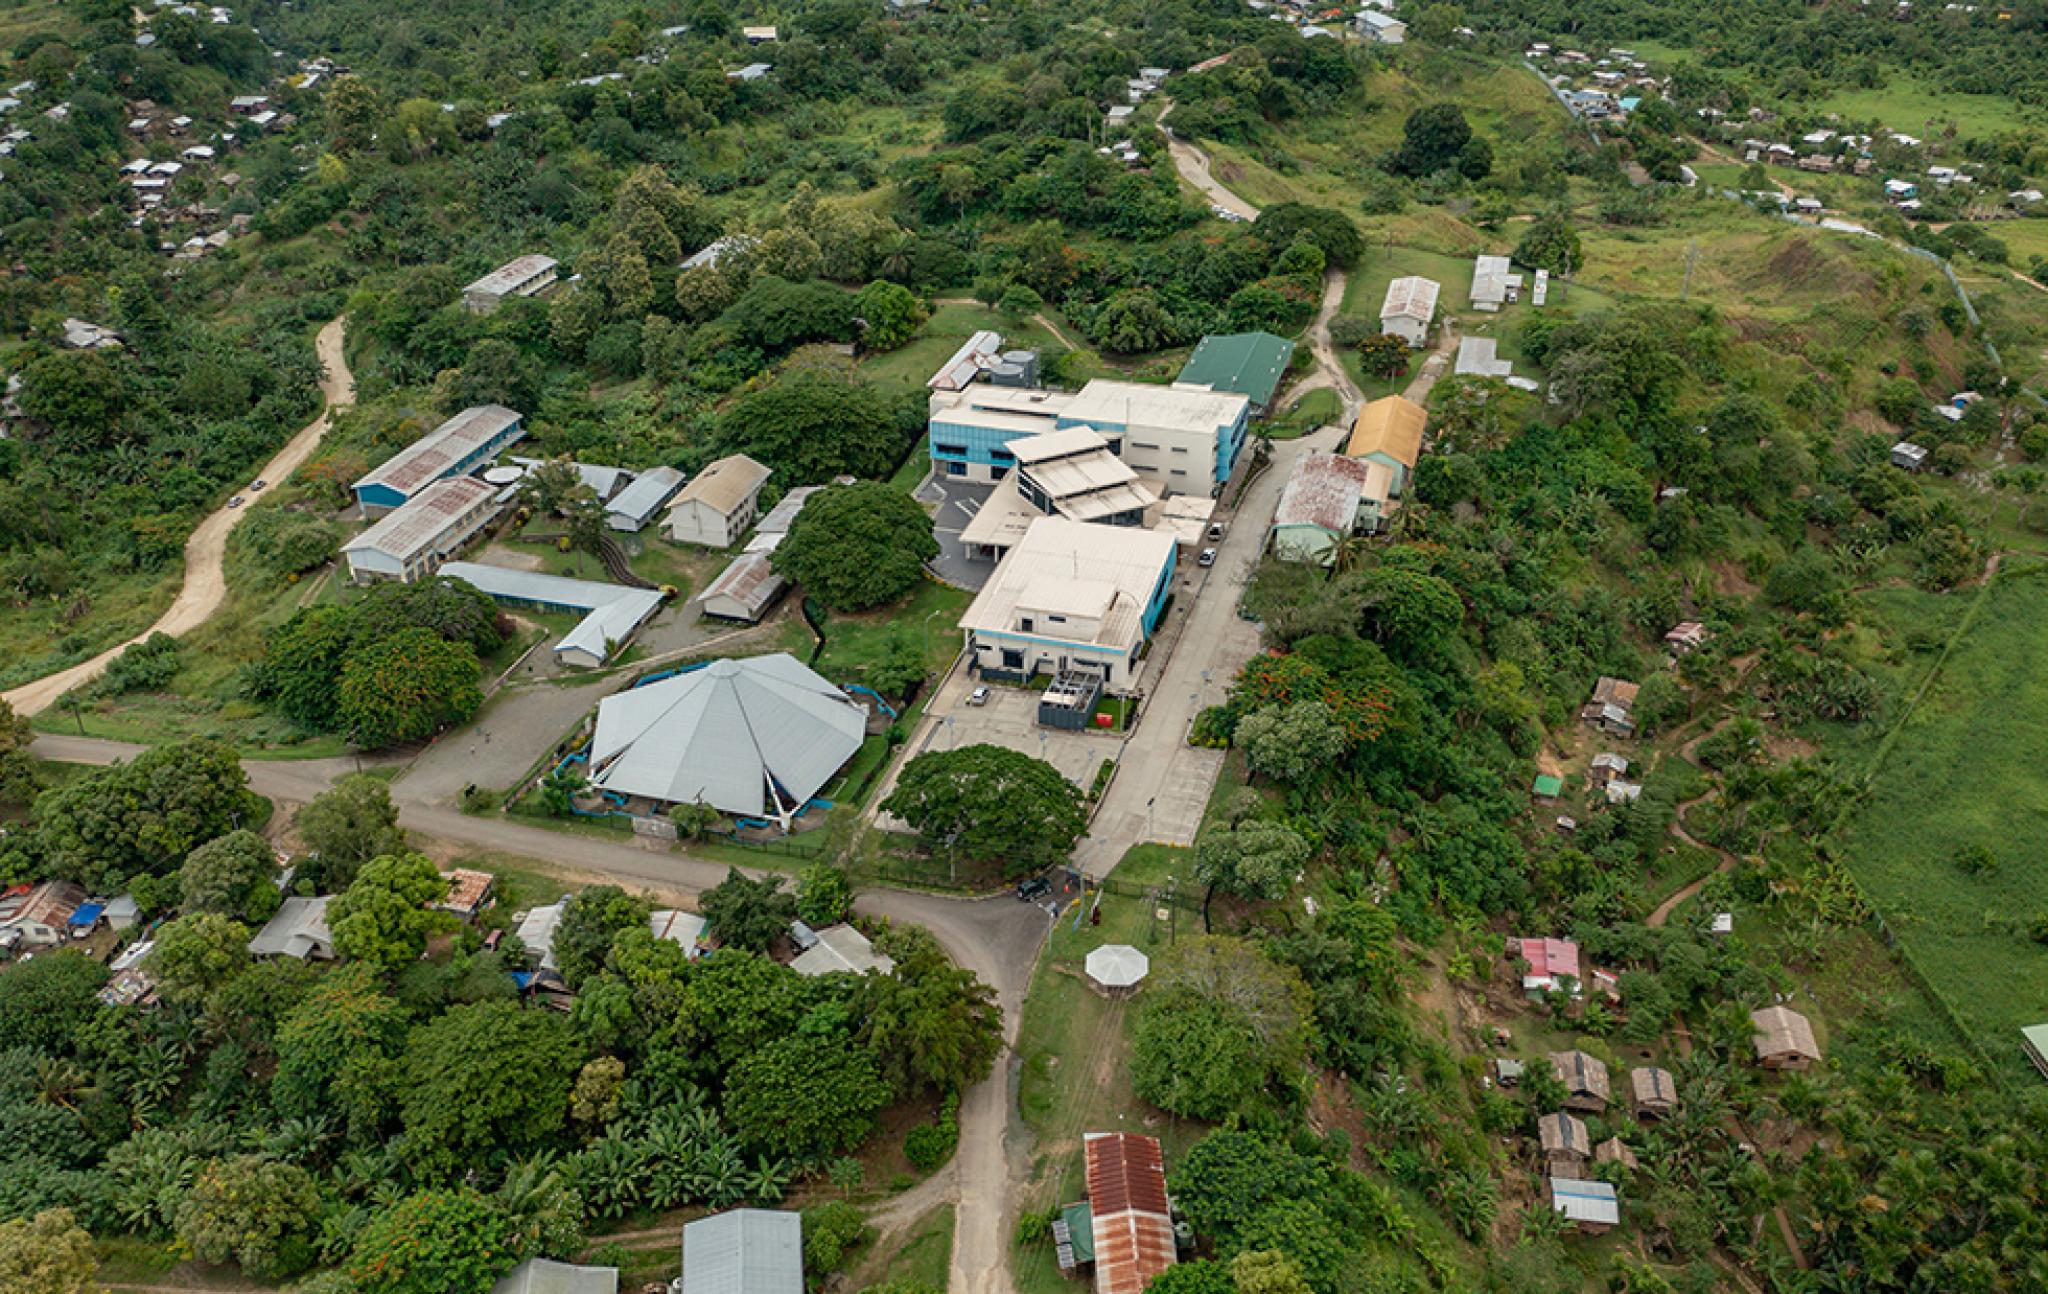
(1329, 372)
(205, 585)
(1193, 165)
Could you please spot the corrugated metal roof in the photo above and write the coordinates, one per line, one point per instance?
(720, 734)
(537, 931)
(298, 930)
(1411, 297)
(1248, 363)
(611, 611)
(1392, 426)
(651, 489)
(841, 948)
(744, 1251)
(1127, 1195)
(513, 274)
(750, 580)
(546, 1276)
(724, 485)
(975, 354)
(1477, 357)
(420, 522)
(437, 452)
(1578, 1201)
(783, 515)
(1322, 491)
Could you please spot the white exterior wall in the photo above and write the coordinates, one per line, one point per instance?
(371, 564)
(1044, 656)
(696, 522)
(35, 934)
(728, 608)
(1184, 461)
(1407, 327)
(577, 658)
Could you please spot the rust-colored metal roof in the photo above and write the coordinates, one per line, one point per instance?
(1127, 1194)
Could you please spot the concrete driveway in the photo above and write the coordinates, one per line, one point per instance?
(1010, 719)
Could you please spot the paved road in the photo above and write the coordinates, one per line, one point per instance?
(205, 586)
(1162, 783)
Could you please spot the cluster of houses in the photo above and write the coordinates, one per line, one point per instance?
(440, 493)
(1118, 119)
(1318, 20)
(51, 913)
(1781, 1039)
(1329, 497)
(1601, 87)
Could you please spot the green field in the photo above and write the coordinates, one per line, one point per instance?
(1916, 108)
(1965, 770)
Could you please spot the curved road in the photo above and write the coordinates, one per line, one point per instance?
(1193, 165)
(205, 585)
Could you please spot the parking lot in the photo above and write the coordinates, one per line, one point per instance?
(1009, 718)
(957, 502)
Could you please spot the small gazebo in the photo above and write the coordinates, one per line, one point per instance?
(1118, 968)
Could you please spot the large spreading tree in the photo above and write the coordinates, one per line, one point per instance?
(990, 802)
(384, 916)
(858, 546)
(812, 423)
(406, 688)
(143, 816)
(484, 1079)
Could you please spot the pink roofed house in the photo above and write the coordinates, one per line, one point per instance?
(1550, 961)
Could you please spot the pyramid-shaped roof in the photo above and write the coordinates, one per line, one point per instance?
(720, 734)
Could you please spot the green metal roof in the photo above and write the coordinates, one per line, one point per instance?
(1248, 363)
(1080, 1220)
(1547, 785)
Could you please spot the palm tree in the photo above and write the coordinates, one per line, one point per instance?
(1350, 552)
(769, 1179)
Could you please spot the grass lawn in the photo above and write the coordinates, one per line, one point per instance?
(1073, 1041)
(1964, 771)
(925, 1258)
(1319, 408)
(1325, 158)
(856, 641)
(908, 366)
(1074, 1044)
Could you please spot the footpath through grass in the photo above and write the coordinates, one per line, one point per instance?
(1964, 770)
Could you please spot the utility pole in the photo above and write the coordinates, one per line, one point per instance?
(1692, 253)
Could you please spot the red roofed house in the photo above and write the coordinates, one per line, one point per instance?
(1550, 961)
(1127, 1197)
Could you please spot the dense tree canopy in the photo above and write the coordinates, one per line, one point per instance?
(990, 802)
(858, 546)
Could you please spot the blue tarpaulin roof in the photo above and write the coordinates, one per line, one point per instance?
(88, 914)
(524, 979)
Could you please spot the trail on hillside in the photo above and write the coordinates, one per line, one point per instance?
(205, 586)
